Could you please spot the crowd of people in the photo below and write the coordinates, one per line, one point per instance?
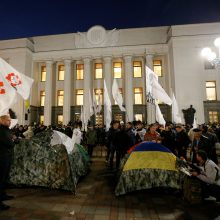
(197, 145)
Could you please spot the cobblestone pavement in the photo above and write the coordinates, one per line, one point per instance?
(95, 200)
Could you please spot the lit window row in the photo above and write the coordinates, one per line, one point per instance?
(98, 118)
(138, 96)
(98, 70)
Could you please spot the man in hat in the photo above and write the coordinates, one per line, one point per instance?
(209, 175)
(200, 142)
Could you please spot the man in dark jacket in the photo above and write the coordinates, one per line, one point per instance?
(6, 149)
(182, 141)
(200, 142)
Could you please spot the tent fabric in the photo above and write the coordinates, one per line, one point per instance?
(149, 155)
(37, 163)
(148, 165)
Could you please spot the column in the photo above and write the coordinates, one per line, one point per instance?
(129, 88)
(151, 110)
(48, 93)
(67, 92)
(108, 80)
(87, 85)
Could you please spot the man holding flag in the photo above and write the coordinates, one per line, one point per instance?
(11, 83)
(6, 150)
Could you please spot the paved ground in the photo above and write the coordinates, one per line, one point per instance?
(95, 200)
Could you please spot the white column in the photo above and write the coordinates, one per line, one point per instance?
(67, 92)
(151, 110)
(108, 79)
(48, 93)
(87, 85)
(129, 88)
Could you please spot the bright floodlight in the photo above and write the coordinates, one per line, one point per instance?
(217, 42)
(211, 56)
(206, 51)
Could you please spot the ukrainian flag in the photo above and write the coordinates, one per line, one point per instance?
(150, 155)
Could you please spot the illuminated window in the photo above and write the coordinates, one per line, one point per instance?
(157, 65)
(79, 97)
(120, 91)
(99, 96)
(43, 74)
(60, 119)
(118, 117)
(98, 70)
(79, 71)
(138, 117)
(137, 68)
(138, 96)
(42, 98)
(99, 119)
(60, 94)
(213, 116)
(117, 70)
(61, 72)
(211, 90)
(41, 119)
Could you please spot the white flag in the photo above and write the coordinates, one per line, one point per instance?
(150, 76)
(91, 112)
(107, 103)
(176, 118)
(83, 117)
(159, 93)
(8, 96)
(99, 107)
(117, 95)
(94, 102)
(159, 116)
(21, 83)
(195, 125)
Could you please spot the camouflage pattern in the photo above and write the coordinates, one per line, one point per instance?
(139, 179)
(36, 163)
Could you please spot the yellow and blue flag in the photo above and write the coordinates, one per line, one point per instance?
(150, 155)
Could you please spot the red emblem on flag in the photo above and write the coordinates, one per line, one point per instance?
(13, 79)
(2, 91)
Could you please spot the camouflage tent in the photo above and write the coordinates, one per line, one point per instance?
(38, 163)
(148, 165)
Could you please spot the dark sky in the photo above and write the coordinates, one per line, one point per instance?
(38, 17)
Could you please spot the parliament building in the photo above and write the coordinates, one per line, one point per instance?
(67, 68)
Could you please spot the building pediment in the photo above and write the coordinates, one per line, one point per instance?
(96, 36)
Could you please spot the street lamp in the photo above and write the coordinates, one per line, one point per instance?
(210, 55)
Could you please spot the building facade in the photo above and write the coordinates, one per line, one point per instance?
(68, 69)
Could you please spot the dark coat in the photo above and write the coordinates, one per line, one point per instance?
(6, 142)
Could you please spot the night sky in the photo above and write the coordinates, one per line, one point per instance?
(35, 18)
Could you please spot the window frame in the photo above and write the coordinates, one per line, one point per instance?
(210, 87)
(142, 98)
(60, 96)
(95, 69)
(77, 95)
(43, 72)
(137, 66)
(161, 65)
(115, 68)
(77, 69)
(59, 71)
(42, 96)
(97, 95)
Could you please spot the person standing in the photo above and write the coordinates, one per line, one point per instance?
(182, 141)
(6, 151)
(91, 139)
